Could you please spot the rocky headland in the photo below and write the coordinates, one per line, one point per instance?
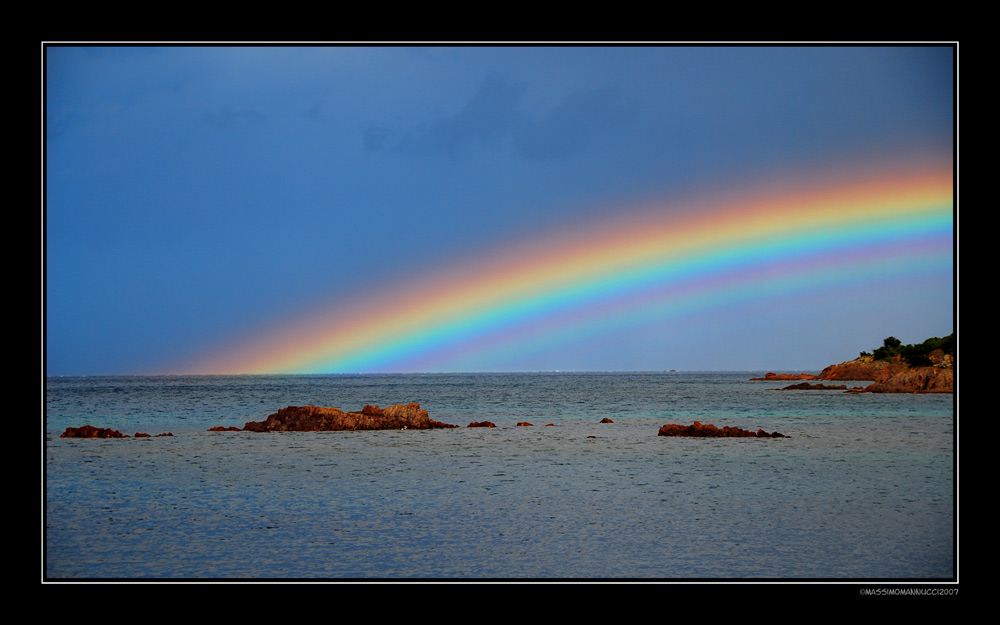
(917, 380)
(319, 419)
(897, 375)
(928, 367)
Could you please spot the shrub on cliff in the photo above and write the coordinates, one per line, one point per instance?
(914, 355)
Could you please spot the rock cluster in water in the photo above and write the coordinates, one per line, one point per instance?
(89, 431)
(320, 419)
(398, 417)
(805, 386)
(769, 376)
(697, 429)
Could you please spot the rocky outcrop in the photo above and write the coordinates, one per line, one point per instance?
(697, 429)
(864, 368)
(524, 424)
(768, 377)
(219, 428)
(805, 386)
(917, 380)
(89, 431)
(606, 420)
(482, 424)
(896, 375)
(320, 419)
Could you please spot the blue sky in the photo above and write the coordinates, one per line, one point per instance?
(195, 194)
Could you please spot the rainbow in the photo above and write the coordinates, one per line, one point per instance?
(660, 259)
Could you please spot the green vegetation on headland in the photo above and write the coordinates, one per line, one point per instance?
(896, 368)
(915, 355)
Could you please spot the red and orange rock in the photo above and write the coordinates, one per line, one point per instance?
(896, 376)
(89, 431)
(320, 419)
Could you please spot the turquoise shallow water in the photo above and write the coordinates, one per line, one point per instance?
(863, 489)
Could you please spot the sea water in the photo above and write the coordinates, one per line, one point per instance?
(863, 488)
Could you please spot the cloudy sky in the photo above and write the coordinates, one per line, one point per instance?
(201, 203)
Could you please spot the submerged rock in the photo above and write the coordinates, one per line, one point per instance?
(320, 419)
(697, 429)
(220, 428)
(482, 424)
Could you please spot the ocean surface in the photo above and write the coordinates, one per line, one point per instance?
(864, 488)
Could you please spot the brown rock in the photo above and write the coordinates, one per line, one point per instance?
(864, 368)
(805, 386)
(164, 434)
(141, 435)
(897, 376)
(524, 424)
(89, 431)
(482, 424)
(697, 429)
(606, 420)
(220, 428)
(320, 419)
(768, 377)
(917, 380)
